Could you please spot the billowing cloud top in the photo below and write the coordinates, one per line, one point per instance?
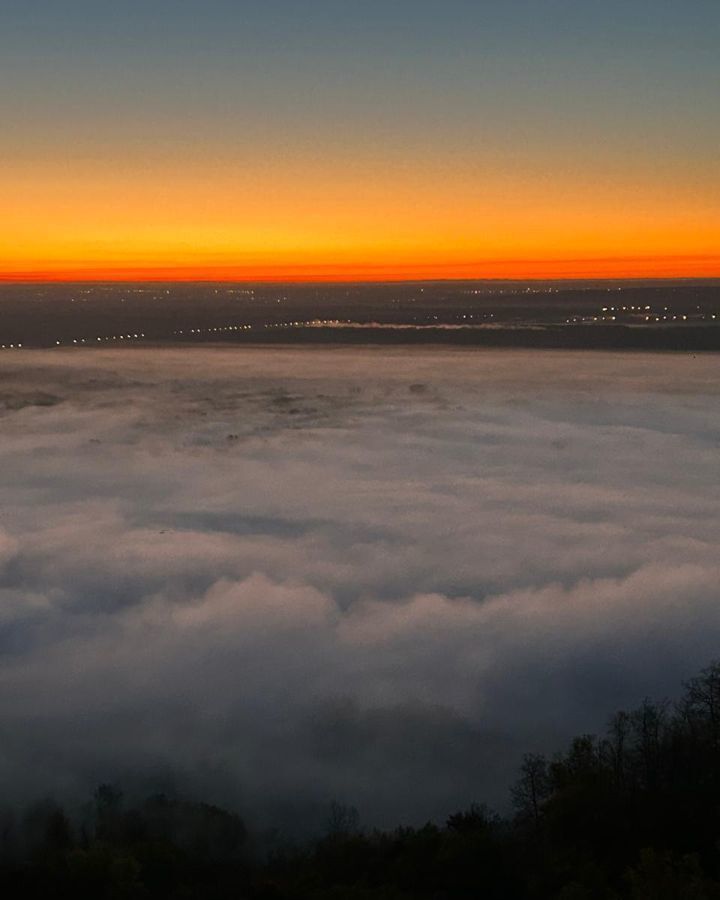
(377, 576)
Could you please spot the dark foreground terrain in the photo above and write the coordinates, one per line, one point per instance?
(670, 315)
(632, 814)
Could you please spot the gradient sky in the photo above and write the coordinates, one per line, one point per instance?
(359, 138)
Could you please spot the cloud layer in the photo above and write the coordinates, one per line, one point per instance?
(284, 577)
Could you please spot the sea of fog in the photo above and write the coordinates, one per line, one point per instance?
(277, 578)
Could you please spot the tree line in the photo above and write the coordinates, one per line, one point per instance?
(631, 814)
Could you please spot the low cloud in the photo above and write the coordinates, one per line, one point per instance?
(283, 577)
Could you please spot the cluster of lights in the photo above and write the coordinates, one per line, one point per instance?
(217, 330)
(76, 342)
(583, 319)
(472, 316)
(625, 308)
(512, 291)
(643, 313)
(311, 323)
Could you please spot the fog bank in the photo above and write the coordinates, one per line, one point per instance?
(286, 576)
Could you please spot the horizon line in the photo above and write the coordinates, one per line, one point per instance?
(680, 268)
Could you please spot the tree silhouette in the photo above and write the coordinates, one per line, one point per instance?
(633, 814)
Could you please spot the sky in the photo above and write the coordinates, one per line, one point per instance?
(278, 579)
(342, 139)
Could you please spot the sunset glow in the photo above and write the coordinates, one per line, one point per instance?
(149, 146)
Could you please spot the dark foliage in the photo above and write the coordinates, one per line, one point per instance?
(632, 815)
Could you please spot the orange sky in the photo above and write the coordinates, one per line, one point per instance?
(327, 140)
(300, 220)
(629, 268)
